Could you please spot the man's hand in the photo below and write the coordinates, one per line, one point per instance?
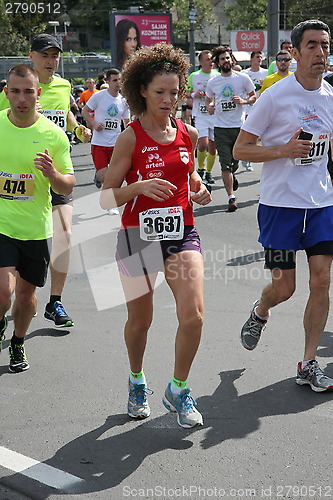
(298, 148)
(237, 100)
(83, 133)
(98, 126)
(44, 163)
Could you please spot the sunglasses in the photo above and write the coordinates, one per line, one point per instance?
(285, 59)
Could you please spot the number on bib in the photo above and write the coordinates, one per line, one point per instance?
(320, 145)
(111, 124)
(16, 186)
(162, 224)
(228, 105)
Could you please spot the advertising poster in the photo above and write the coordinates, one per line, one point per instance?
(250, 41)
(130, 31)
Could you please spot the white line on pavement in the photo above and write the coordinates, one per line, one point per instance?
(36, 470)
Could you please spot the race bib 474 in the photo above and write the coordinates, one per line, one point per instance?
(17, 186)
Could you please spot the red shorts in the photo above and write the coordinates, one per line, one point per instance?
(101, 155)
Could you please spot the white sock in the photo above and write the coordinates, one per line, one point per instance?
(138, 381)
(260, 317)
(176, 390)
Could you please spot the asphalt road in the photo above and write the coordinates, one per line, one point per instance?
(65, 432)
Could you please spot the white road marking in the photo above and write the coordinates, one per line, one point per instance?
(36, 470)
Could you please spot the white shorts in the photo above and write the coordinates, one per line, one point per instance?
(205, 127)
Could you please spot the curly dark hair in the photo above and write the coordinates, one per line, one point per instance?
(217, 51)
(142, 67)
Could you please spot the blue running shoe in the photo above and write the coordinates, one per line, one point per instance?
(58, 315)
(138, 406)
(183, 403)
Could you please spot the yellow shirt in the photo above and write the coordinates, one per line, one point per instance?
(271, 79)
(25, 200)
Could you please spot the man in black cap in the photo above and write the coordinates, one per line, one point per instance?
(54, 103)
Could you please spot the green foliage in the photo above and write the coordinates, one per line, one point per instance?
(17, 28)
(246, 14)
(205, 14)
(300, 10)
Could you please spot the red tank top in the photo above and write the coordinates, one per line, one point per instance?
(152, 160)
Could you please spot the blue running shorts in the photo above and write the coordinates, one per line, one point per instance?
(294, 228)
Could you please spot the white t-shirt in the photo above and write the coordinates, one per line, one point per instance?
(256, 77)
(198, 81)
(281, 110)
(110, 111)
(222, 88)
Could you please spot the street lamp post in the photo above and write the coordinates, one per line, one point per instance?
(192, 18)
(66, 25)
(273, 29)
(55, 24)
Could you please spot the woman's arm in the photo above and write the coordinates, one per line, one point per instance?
(113, 193)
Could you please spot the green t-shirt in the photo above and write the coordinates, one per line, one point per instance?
(25, 200)
(54, 99)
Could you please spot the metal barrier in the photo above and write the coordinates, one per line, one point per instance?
(83, 67)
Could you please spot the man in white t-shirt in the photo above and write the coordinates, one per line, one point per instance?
(294, 120)
(109, 110)
(203, 121)
(226, 97)
(257, 75)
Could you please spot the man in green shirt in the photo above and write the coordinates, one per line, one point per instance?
(27, 173)
(54, 103)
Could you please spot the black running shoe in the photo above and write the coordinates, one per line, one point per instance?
(58, 315)
(97, 183)
(209, 178)
(252, 329)
(2, 331)
(17, 359)
(201, 172)
(235, 183)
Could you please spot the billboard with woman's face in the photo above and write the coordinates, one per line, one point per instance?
(128, 32)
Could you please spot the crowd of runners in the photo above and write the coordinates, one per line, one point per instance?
(144, 158)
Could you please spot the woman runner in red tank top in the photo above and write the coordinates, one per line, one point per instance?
(155, 157)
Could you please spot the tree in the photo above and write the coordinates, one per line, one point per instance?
(301, 10)
(205, 14)
(244, 14)
(17, 28)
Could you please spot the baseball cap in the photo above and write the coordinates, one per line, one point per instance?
(43, 42)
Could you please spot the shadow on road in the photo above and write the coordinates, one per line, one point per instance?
(106, 456)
